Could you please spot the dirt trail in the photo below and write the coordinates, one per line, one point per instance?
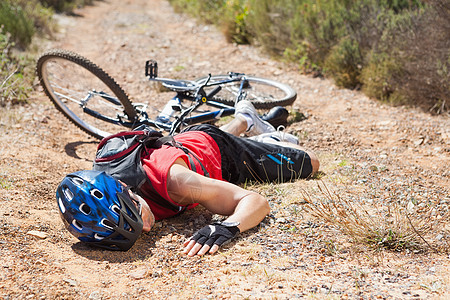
(369, 151)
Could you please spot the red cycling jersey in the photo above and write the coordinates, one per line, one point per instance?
(158, 162)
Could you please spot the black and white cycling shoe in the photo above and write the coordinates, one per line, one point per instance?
(277, 116)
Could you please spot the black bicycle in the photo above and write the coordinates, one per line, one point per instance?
(94, 102)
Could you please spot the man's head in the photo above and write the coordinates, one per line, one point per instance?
(99, 210)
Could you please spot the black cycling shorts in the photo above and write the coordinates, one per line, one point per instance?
(246, 160)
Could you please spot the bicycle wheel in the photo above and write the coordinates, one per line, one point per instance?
(263, 93)
(84, 93)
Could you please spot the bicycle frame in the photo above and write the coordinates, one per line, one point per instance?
(224, 110)
(185, 90)
(200, 98)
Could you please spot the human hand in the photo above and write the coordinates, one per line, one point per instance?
(210, 238)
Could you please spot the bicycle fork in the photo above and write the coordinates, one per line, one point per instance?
(241, 94)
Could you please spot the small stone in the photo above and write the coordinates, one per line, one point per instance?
(139, 273)
(281, 220)
(95, 295)
(410, 207)
(418, 141)
(70, 281)
(41, 262)
(38, 234)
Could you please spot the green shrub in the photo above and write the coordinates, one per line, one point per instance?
(15, 21)
(268, 24)
(58, 5)
(340, 34)
(20, 20)
(15, 76)
(209, 11)
(424, 55)
(386, 47)
(412, 60)
(229, 15)
(344, 63)
(310, 31)
(320, 24)
(302, 56)
(234, 21)
(65, 5)
(378, 78)
(23, 18)
(40, 16)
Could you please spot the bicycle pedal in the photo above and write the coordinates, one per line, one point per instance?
(151, 68)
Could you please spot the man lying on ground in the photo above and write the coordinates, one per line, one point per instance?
(101, 211)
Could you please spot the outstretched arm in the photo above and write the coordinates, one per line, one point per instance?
(220, 197)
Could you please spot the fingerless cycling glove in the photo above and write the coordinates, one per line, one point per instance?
(218, 233)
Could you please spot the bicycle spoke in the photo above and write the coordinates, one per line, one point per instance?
(263, 93)
(68, 98)
(78, 89)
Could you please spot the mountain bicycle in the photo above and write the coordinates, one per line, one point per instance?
(94, 101)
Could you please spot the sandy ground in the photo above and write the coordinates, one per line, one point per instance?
(371, 153)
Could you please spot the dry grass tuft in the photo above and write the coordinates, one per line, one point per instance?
(394, 225)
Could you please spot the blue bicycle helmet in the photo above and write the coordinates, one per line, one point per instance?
(98, 210)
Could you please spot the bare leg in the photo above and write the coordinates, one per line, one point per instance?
(237, 126)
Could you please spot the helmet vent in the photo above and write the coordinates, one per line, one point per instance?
(62, 208)
(85, 209)
(68, 193)
(98, 237)
(108, 224)
(115, 209)
(77, 225)
(77, 181)
(97, 194)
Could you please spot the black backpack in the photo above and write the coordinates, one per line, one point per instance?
(119, 155)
